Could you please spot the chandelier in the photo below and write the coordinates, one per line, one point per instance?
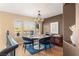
(39, 19)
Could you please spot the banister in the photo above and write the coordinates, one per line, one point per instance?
(6, 51)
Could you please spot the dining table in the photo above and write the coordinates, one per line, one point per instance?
(37, 38)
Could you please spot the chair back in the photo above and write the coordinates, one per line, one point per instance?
(26, 39)
(46, 39)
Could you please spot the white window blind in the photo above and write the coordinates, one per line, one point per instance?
(54, 28)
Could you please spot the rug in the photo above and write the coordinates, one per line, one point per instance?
(34, 51)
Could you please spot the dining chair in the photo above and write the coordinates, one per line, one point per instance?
(28, 41)
(45, 41)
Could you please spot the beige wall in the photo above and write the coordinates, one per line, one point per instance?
(46, 24)
(7, 23)
(77, 24)
(69, 20)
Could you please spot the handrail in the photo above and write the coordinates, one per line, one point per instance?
(11, 45)
(11, 40)
(6, 51)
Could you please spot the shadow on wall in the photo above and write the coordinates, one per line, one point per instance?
(70, 34)
(69, 20)
(73, 36)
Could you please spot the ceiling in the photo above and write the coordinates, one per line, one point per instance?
(31, 9)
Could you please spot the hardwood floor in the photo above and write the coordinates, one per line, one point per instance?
(56, 51)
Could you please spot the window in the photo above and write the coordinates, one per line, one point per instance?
(24, 26)
(18, 26)
(54, 27)
(29, 25)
